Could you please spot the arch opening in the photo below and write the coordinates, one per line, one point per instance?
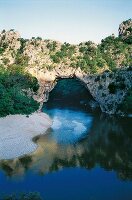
(69, 107)
(71, 93)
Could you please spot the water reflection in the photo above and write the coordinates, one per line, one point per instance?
(69, 126)
(108, 144)
(79, 137)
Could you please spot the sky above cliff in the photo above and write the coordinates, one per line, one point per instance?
(72, 21)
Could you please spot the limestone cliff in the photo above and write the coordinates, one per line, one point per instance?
(98, 85)
(105, 69)
(125, 29)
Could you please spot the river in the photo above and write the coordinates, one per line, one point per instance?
(85, 155)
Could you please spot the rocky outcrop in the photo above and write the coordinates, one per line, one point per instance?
(49, 60)
(125, 29)
(9, 44)
(10, 40)
(98, 85)
(100, 88)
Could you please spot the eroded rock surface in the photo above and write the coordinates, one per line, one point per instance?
(49, 60)
(98, 85)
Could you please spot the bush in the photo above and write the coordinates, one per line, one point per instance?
(38, 38)
(112, 88)
(97, 78)
(13, 89)
(5, 61)
(1, 50)
(21, 60)
(23, 196)
(51, 46)
(126, 105)
(100, 87)
(129, 68)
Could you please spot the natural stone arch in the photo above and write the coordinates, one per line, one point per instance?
(97, 85)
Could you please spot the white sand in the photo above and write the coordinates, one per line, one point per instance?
(17, 131)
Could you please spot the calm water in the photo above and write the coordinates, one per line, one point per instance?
(84, 156)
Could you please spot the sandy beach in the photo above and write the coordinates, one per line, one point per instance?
(17, 132)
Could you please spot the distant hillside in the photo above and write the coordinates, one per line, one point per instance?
(21, 58)
(113, 52)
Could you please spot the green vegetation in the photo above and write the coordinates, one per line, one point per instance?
(90, 60)
(3, 47)
(23, 44)
(21, 60)
(115, 52)
(66, 51)
(113, 87)
(128, 40)
(126, 106)
(112, 53)
(127, 33)
(52, 46)
(1, 50)
(23, 196)
(14, 87)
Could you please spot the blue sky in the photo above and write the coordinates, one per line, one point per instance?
(72, 21)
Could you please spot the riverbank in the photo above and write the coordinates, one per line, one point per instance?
(17, 132)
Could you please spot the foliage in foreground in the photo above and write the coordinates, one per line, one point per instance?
(126, 105)
(24, 196)
(14, 86)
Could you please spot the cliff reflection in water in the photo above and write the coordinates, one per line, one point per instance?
(108, 145)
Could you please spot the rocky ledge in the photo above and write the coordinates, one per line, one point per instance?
(101, 68)
(108, 89)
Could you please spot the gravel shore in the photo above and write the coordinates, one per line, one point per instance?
(17, 132)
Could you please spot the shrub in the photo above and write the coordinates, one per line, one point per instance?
(21, 60)
(14, 85)
(1, 50)
(3, 31)
(126, 105)
(38, 38)
(100, 87)
(23, 196)
(112, 88)
(4, 45)
(97, 78)
(103, 76)
(129, 68)
(5, 61)
(51, 46)
(121, 86)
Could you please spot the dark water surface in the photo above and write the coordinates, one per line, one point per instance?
(84, 156)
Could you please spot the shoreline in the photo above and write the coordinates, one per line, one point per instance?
(17, 133)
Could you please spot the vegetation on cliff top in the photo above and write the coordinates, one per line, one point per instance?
(111, 54)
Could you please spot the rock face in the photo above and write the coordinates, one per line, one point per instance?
(98, 85)
(9, 42)
(49, 60)
(125, 29)
(10, 38)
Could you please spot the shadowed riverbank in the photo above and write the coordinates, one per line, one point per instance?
(84, 149)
